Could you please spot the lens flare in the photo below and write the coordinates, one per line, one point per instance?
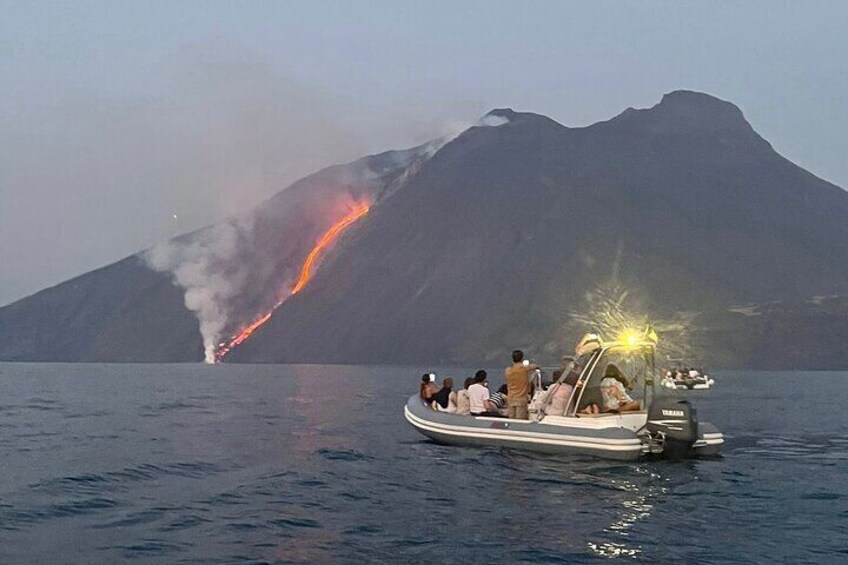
(614, 311)
(629, 338)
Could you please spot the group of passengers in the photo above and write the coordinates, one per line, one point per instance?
(614, 386)
(474, 398)
(512, 399)
(683, 373)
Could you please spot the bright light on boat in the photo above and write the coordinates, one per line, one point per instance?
(633, 338)
(630, 338)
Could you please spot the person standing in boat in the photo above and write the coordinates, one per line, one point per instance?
(518, 385)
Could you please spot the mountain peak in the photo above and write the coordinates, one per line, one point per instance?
(692, 104)
(508, 115)
(683, 111)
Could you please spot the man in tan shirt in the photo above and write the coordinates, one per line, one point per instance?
(518, 385)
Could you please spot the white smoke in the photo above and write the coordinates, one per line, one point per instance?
(492, 121)
(240, 269)
(209, 130)
(196, 266)
(218, 264)
(454, 129)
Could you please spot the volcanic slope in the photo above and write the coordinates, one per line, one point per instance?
(229, 273)
(493, 242)
(501, 235)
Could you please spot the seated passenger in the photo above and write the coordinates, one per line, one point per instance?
(561, 394)
(428, 388)
(478, 396)
(498, 401)
(445, 399)
(591, 399)
(615, 396)
(463, 402)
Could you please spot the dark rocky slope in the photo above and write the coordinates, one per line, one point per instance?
(494, 242)
(505, 229)
(240, 267)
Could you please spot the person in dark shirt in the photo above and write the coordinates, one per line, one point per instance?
(446, 397)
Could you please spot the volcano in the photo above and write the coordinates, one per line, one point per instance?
(491, 241)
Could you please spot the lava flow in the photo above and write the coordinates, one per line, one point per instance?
(325, 241)
(306, 272)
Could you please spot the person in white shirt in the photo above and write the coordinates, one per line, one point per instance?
(615, 396)
(478, 395)
(561, 394)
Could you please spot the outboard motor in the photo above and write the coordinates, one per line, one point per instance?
(673, 424)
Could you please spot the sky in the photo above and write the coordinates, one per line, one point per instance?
(125, 123)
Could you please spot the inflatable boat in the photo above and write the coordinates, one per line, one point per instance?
(665, 425)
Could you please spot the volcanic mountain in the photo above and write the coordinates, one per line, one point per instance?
(513, 234)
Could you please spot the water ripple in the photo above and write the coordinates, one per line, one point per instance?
(123, 479)
(343, 455)
(13, 517)
(274, 464)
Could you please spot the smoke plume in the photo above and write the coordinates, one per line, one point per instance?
(238, 271)
(198, 265)
(214, 131)
(455, 128)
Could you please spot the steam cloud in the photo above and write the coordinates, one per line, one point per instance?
(231, 275)
(454, 129)
(190, 136)
(213, 131)
(240, 270)
(196, 266)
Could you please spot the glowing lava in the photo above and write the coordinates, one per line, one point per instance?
(326, 240)
(306, 272)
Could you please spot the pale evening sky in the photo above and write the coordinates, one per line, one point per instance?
(117, 116)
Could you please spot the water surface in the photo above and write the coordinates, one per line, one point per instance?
(314, 464)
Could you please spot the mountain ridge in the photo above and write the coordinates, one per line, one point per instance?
(495, 238)
(540, 140)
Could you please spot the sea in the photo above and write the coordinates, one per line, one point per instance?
(315, 464)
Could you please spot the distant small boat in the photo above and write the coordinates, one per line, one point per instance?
(691, 381)
(666, 426)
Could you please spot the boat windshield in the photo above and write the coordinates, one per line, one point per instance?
(636, 364)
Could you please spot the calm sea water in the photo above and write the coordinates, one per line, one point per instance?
(312, 464)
